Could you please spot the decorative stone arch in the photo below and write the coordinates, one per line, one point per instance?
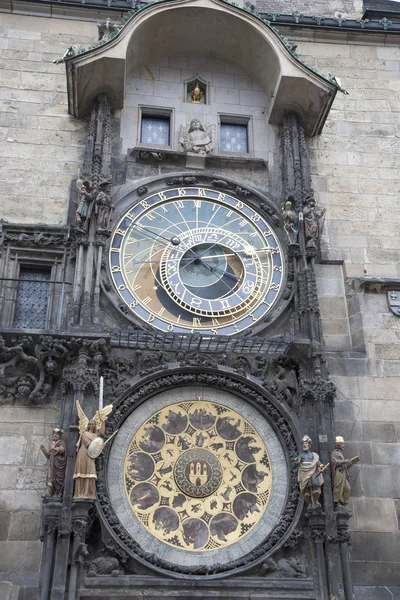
(250, 391)
(230, 32)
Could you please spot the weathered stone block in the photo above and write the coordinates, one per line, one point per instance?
(378, 432)
(376, 573)
(374, 514)
(4, 525)
(20, 556)
(34, 479)
(24, 525)
(12, 500)
(375, 546)
(386, 454)
(12, 450)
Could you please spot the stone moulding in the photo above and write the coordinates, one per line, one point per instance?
(250, 392)
(285, 79)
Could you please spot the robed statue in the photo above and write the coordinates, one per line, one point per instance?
(309, 474)
(89, 446)
(56, 454)
(340, 474)
(195, 138)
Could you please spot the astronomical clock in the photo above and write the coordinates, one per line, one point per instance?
(198, 260)
(198, 474)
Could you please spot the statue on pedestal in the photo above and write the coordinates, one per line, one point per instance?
(83, 209)
(88, 446)
(56, 454)
(312, 221)
(310, 474)
(290, 222)
(340, 475)
(104, 207)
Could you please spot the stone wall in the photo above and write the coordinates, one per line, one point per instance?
(41, 146)
(357, 178)
(355, 166)
(23, 469)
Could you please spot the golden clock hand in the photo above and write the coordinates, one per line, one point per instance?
(236, 253)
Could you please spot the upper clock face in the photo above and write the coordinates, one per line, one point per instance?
(196, 259)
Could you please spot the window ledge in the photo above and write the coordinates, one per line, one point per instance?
(154, 155)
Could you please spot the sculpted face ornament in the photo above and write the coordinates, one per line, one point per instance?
(196, 260)
(197, 476)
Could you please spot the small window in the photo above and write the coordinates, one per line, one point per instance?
(32, 299)
(155, 131)
(234, 138)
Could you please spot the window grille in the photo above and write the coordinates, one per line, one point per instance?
(155, 131)
(32, 299)
(234, 138)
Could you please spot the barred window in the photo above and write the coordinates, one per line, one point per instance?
(32, 299)
(233, 138)
(155, 131)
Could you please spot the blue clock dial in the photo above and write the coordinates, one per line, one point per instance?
(196, 259)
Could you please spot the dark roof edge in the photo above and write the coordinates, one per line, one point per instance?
(295, 19)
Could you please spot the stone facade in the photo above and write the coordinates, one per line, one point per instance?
(355, 172)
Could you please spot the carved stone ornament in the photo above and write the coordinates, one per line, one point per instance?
(251, 394)
(394, 302)
(197, 139)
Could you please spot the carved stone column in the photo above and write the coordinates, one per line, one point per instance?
(80, 520)
(50, 524)
(316, 524)
(96, 171)
(343, 537)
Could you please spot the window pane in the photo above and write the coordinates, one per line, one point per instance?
(32, 299)
(155, 131)
(233, 138)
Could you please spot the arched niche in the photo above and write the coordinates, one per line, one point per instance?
(184, 26)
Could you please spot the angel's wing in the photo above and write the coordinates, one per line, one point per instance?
(83, 419)
(101, 415)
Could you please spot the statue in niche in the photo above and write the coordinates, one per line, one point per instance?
(196, 139)
(84, 206)
(290, 221)
(56, 454)
(87, 449)
(309, 474)
(340, 474)
(196, 94)
(104, 207)
(312, 221)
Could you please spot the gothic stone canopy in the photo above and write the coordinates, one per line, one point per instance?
(189, 26)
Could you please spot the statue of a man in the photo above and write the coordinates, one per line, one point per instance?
(197, 140)
(83, 210)
(311, 221)
(310, 474)
(290, 221)
(340, 474)
(57, 456)
(104, 207)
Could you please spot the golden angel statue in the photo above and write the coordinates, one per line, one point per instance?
(89, 447)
